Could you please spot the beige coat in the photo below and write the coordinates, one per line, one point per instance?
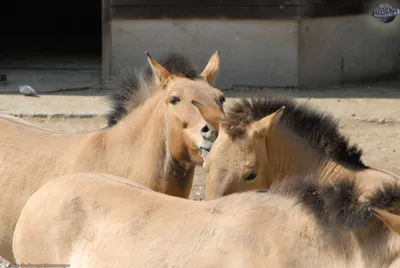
(92, 220)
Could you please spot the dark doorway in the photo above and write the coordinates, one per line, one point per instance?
(51, 27)
(39, 38)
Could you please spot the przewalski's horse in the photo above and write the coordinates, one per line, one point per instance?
(260, 142)
(97, 220)
(157, 141)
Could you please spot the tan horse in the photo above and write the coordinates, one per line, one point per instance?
(157, 140)
(95, 220)
(260, 142)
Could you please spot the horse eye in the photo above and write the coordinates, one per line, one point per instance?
(174, 100)
(251, 177)
(222, 99)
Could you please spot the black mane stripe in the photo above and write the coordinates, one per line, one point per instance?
(386, 197)
(337, 204)
(331, 205)
(131, 88)
(319, 129)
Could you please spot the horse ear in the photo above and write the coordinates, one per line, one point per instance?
(212, 115)
(210, 72)
(163, 75)
(263, 126)
(392, 221)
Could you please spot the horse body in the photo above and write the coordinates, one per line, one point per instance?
(98, 220)
(258, 145)
(158, 144)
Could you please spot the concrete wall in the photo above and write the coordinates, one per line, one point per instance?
(276, 53)
(347, 49)
(252, 52)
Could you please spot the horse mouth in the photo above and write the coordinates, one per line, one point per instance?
(205, 147)
(204, 152)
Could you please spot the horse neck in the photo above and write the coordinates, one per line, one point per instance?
(289, 154)
(138, 146)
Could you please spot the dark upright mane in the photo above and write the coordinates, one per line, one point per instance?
(319, 129)
(386, 197)
(132, 88)
(337, 204)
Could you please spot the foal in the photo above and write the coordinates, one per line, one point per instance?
(155, 136)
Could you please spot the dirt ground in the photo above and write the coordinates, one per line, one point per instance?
(373, 123)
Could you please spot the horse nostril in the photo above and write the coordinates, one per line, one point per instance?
(205, 129)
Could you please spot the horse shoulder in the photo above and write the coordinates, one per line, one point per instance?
(67, 207)
(51, 221)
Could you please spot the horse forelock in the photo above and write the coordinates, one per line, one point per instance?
(132, 87)
(319, 129)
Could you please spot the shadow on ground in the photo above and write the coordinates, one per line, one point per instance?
(382, 90)
(387, 90)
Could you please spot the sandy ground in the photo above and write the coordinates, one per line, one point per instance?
(369, 116)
